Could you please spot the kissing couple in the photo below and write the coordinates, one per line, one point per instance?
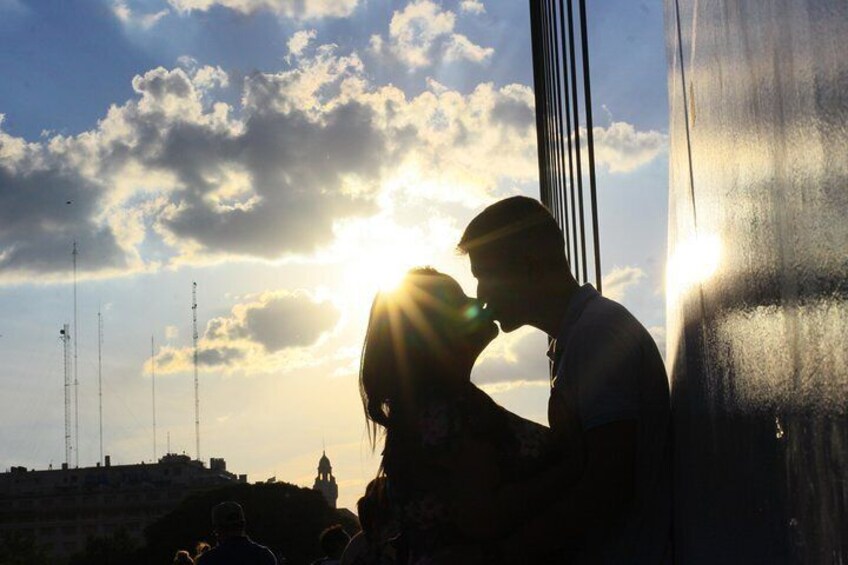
(462, 479)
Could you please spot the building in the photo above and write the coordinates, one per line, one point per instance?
(325, 482)
(61, 508)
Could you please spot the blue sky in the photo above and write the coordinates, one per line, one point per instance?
(287, 156)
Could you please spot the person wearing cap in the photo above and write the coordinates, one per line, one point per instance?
(234, 547)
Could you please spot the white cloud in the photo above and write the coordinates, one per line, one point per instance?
(273, 332)
(460, 47)
(298, 42)
(512, 360)
(299, 9)
(270, 178)
(622, 149)
(129, 17)
(472, 7)
(619, 279)
(423, 29)
(208, 77)
(658, 333)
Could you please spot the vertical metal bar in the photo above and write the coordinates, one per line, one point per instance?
(572, 257)
(562, 201)
(549, 113)
(538, 86)
(590, 143)
(578, 156)
(553, 116)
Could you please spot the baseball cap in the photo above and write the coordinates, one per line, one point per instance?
(228, 513)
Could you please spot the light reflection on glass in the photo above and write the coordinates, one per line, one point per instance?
(693, 261)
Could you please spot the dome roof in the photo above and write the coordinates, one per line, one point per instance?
(324, 463)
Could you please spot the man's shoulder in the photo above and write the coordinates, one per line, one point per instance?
(243, 547)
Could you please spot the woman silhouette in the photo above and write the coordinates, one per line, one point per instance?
(458, 467)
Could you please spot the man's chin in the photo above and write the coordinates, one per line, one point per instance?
(507, 327)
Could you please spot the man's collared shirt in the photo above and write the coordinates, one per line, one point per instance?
(607, 368)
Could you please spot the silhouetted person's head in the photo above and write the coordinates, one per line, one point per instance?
(183, 558)
(201, 548)
(517, 254)
(333, 541)
(422, 341)
(228, 520)
(374, 509)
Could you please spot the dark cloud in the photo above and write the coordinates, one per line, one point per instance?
(276, 321)
(217, 356)
(247, 339)
(293, 166)
(530, 364)
(42, 212)
(296, 169)
(289, 321)
(516, 113)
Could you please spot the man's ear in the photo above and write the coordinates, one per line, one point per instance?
(532, 268)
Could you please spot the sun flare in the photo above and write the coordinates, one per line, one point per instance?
(377, 253)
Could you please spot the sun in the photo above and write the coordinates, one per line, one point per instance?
(375, 254)
(692, 262)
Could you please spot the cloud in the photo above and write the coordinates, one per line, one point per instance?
(472, 7)
(298, 9)
(298, 42)
(658, 333)
(622, 149)
(460, 47)
(129, 17)
(175, 166)
(619, 279)
(269, 178)
(272, 332)
(514, 359)
(422, 30)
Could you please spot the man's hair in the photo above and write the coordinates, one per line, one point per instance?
(516, 225)
(334, 540)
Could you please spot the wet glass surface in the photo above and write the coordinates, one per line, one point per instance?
(757, 281)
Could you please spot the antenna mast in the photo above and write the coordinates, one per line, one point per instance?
(65, 336)
(76, 374)
(100, 377)
(196, 395)
(153, 387)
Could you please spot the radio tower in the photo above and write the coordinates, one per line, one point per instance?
(76, 380)
(65, 336)
(100, 377)
(196, 395)
(153, 387)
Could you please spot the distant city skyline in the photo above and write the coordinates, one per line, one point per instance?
(291, 158)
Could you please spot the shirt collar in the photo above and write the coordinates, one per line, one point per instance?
(575, 308)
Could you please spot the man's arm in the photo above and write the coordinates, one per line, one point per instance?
(597, 501)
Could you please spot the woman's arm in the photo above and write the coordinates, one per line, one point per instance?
(485, 514)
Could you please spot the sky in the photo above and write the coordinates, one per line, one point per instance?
(291, 157)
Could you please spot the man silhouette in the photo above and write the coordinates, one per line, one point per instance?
(609, 397)
(234, 547)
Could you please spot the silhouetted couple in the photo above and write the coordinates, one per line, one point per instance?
(464, 480)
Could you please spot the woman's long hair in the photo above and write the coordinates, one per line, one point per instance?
(405, 357)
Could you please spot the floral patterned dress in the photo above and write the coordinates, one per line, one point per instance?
(464, 441)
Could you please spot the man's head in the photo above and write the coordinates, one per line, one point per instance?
(517, 251)
(228, 519)
(333, 541)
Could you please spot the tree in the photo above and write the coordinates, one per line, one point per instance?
(17, 548)
(286, 518)
(117, 549)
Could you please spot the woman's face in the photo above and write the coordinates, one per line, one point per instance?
(468, 327)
